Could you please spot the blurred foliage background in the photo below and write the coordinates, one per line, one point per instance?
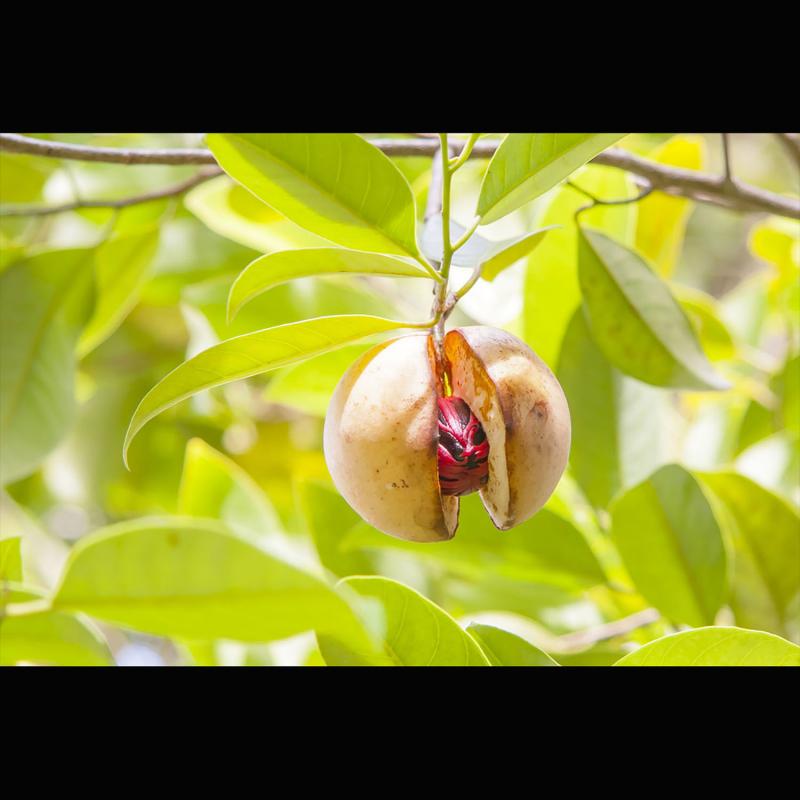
(250, 453)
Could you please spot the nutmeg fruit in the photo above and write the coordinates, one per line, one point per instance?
(410, 429)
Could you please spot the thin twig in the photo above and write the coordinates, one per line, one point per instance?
(699, 186)
(158, 194)
(596, 201)
(580, 640)
(726, 158)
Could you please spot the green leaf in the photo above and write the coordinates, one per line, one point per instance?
(636, 321)
(712, 332)
(526, 165)
(552, 292)
(502, 255)
(545, 549)
(50, 637)
(215, 487)
(276, 268)
(715, 647)
(504, 649)
(617, 422)
(336, 185)
(10, 559)
(417, 632)
(231, 211)
(328, 518)
(765, 531)
(672, 546)
(251, 354)
(41, 312)
(193, 579)
(661, 224)
(122, 266)
(308, 386)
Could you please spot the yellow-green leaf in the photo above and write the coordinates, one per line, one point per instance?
(276, 268)
(252, 354)
(336, 185)
(636, 321)
(661, 224)
(526, 165)
(504, 649)
(715, 647)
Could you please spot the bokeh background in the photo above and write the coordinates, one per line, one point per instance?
(736, 274)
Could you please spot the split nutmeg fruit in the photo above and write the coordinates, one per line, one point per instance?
(407, 433)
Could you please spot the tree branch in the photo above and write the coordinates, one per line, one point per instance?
(698, 186)
(791, 141)
(158, 194)
(580, 640)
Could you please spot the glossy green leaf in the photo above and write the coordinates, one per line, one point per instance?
(672, 546)
(276, 268)
(417, 632)
(504, 649)
(765, 531)
(11, 559)
(545, 549)
(193, 579)
(231, 211)
(503, 254)
(526, 165)
(41, 312)
(252, 354)
(617, 422)
(636, 321)
(715, 647)
(308, 386)
(336, 185)
(662, 219)
(122, 265)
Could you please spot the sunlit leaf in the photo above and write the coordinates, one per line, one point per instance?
(231, 211)
(418, 633)
(252, 354)
(765, 530)
(276, 268)
(122, 265)
(10, 559)
(662, 217)
(526, 165)
(617, 422)
(672, 546)
(715, 647)
(551, 288)
(308, 386)
(544, 549)
(336, 185)
(41, 313)
(504, 649)
(193, 579)
(712, 332)
(636, 321)
(50, 637)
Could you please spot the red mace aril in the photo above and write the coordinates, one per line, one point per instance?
(463, 453)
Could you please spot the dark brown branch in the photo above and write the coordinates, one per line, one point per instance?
(158, 194)
(697, 186)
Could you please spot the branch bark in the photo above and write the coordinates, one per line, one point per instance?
(158, 194)
(698, 186)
